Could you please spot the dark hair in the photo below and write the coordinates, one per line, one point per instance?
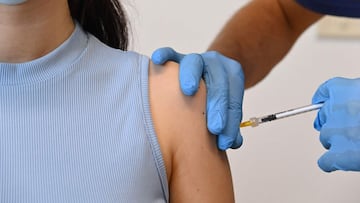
(105, 19)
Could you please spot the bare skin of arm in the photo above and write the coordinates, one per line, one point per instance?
(196, 170)
(260, 34)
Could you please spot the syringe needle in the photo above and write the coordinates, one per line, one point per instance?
(292, 112)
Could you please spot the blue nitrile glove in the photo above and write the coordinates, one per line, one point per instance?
(339, 124)
(224, 81)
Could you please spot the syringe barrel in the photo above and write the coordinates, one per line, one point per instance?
(296, 111)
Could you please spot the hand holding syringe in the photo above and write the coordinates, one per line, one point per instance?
(255, 121)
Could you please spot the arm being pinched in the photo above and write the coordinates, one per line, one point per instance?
(197, 171)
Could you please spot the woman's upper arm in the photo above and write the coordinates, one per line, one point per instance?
(197, 171)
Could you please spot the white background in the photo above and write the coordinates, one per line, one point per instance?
(278, 161)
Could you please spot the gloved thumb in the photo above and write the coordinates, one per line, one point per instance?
(162, 55)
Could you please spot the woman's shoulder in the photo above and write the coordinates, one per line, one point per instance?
(99, 49)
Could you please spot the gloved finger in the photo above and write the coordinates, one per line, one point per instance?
(345, 161)
(238, 141)
(162, 55)
(327, 162)
(338, 145)
(230, 137)
(322, 94)
(191, 70)
(321, 116)
(325, 137)
(216, 108)
(217, 86)
(236, 92)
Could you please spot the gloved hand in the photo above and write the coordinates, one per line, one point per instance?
(339, 124)
(224, 81)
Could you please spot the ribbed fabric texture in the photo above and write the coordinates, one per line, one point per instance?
(346, 8)
(76, 127)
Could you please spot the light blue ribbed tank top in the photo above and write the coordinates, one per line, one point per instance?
(76, 127)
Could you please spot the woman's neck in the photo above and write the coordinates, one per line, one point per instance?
(32, 30)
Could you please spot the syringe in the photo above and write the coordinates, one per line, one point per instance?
(255, 121)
